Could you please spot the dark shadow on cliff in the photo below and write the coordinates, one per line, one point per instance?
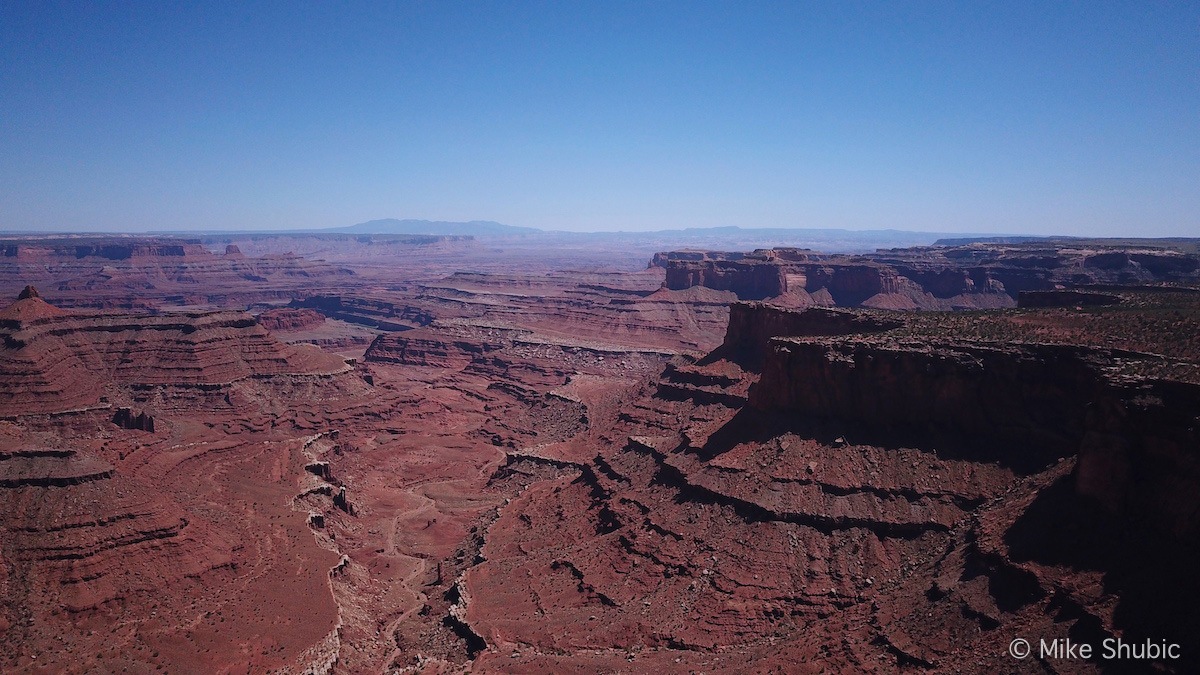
(752, 425)
(1151, 571)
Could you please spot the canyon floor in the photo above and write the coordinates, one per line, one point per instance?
(451, 456)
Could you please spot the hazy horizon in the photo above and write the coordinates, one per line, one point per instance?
(1027, 119)
(344, 229)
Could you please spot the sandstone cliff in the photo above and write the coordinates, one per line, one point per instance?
(975, 276)
(751, 280)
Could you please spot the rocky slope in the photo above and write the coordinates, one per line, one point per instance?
(880, 498)
(163, 535)
(54, 361)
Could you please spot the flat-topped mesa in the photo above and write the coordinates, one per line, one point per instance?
(750, 279)
(806, 278)
(66, 361)
(963, 277)
(1144, 265)
(286, 319)
(383, 314)
(444, 348)
(110, 248)
(664, 258)
(790, 254)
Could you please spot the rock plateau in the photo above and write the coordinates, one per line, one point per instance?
(442, 455)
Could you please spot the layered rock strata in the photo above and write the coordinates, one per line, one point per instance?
(141, 542)
(135, 272)
(53, 361)
(810, 513)
(974, 276)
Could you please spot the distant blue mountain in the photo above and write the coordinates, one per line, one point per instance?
(411, 226)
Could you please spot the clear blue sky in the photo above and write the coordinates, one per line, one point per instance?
(1068, 118)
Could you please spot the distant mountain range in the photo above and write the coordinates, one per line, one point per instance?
(490, 227)
(723, 238)
(411, 226)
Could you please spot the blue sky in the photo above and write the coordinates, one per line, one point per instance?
(1063, 118)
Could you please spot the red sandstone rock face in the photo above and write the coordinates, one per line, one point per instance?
(376, 313)
(29, 307)
(436, 348)
(750, 280)
(752, 325)
(664, 258)
(166, 537)
(227, 457)
(288, 319)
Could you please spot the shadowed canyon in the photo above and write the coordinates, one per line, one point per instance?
(443, 454)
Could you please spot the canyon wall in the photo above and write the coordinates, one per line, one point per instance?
(1021, 405)
(751, 280)
(976, 276)
(881, 490)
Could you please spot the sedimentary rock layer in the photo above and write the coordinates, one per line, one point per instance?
(288, 319)
(555, 473)
(58, 361)
(974, 276)
(138, 541)
(131, 272)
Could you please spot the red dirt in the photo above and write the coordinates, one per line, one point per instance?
(587, 471)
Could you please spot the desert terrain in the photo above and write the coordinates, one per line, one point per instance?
(444, 454)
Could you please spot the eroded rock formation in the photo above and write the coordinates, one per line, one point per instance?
(289, 319)
(53, 361)
(971, 276)
(136, 272)
(877, 498)
(587, 471)
(186, 537)
(125, 419)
